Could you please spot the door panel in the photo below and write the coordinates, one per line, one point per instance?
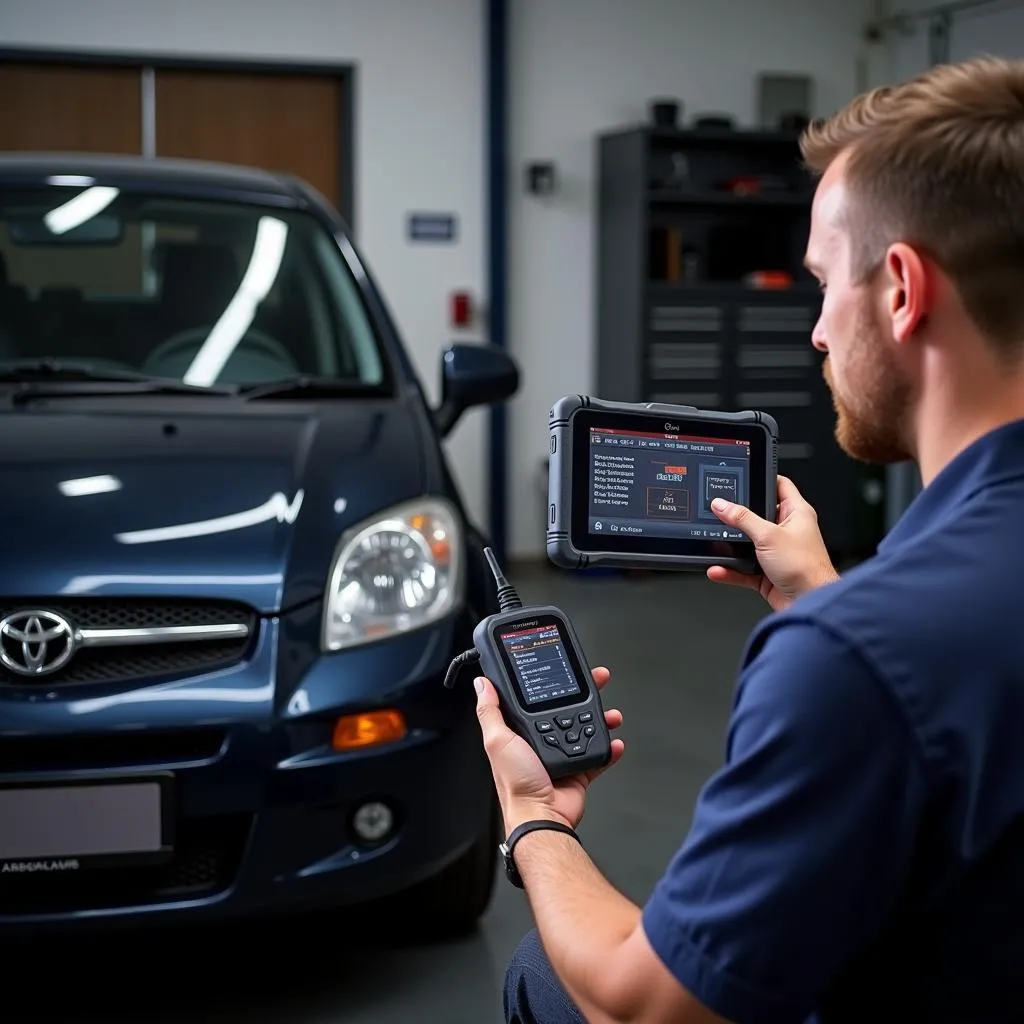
(280, 122)
(70, 108)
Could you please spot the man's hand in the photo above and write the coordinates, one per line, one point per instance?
(791, 553)
(524, 787)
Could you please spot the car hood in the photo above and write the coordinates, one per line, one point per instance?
(245, 503)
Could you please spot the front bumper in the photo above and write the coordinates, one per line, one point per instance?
(262, 805)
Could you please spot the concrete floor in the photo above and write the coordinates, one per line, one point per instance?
(672, 643)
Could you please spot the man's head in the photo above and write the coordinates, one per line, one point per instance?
(917, 236)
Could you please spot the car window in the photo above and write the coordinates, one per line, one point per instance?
(209, 292)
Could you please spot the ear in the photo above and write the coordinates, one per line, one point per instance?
(906, 290)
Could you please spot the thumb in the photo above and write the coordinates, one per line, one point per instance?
(740, 517)
(492, 724)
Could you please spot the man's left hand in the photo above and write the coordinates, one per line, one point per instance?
(524, 787)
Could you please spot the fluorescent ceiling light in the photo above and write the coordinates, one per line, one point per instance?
(77, 211)
(265, 262)
(89, 485)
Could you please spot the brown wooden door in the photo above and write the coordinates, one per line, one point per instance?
(281, 122)
(64, 107)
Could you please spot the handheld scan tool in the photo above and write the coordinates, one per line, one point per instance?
(544, 684)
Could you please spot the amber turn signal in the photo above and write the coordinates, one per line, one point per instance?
(368, 729)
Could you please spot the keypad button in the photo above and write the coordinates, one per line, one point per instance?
(576, 749)
(551, 741)
(572, 737)
(587, 716)
(588, 730)
(565, 723)
(544, 727)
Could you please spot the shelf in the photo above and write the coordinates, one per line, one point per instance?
(710, 197)
(676, 322)
(727, 289)
(716, 136)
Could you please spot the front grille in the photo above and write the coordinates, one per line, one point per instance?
(77, 752)
(124, 664)
(127, 662)
(134, 612)
(207, 855)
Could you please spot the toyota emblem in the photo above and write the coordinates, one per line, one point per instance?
(36, 643)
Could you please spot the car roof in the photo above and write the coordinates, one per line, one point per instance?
(132, 172)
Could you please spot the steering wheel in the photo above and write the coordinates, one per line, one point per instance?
(178, 351)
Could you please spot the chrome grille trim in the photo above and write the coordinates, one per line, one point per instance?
(160, 635)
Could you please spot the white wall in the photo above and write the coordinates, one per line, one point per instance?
(583, 66)
(419, 129)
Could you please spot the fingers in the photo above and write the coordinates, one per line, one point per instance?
(496, 733)
(618, 749)
(741, 518)
(791, 500)
(613, 718)
(733, 578)
(788, 490)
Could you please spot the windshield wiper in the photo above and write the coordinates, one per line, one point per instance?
(34, 379)
(306, 387)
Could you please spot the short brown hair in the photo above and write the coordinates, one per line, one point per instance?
(938, 162)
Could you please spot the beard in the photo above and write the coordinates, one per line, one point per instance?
(874, 405)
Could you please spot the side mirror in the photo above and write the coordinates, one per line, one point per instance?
(473, 375)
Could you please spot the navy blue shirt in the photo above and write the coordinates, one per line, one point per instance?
(860, 854)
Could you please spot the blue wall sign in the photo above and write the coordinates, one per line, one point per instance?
(432, 227)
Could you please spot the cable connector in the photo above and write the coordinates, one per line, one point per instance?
(455, 667)
(508, 599)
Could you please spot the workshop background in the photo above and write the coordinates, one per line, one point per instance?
(504, 126)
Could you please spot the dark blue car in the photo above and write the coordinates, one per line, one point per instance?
(235, 566)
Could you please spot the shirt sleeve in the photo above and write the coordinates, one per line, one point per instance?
(800, 843)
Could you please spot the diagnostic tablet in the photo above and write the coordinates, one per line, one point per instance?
(631, 485)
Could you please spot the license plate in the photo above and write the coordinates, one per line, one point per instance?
(84, 824)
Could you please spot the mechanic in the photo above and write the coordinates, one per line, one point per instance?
(860, 854)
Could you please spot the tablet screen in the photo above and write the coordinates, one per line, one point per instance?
(651, 484)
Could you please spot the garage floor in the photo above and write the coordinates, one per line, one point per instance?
(672, 644)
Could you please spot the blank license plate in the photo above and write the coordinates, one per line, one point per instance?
(121, 820)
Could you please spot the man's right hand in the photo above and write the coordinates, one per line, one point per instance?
(791, 553)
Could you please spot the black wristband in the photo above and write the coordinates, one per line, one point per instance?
(508, 846)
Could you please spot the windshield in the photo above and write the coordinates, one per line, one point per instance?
(204, 292)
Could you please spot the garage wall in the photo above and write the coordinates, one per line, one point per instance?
(583, 66)
(905, 51)
(419, 131)
(998, 30)
(995, 28)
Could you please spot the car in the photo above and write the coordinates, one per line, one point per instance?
(236, 564)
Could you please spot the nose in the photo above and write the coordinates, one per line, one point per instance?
(818, 337)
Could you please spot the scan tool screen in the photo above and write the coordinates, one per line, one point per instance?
(540, 664)
(662, 485)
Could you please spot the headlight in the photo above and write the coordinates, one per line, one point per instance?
(397, 572)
